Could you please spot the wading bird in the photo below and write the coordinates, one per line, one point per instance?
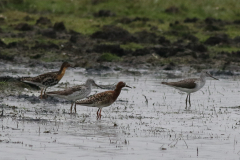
(47, 79)
(75, 93)
(103, 99)
(190, 85)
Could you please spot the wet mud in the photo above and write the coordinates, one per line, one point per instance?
(148, 121)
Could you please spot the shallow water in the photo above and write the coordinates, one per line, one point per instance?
(131, 128)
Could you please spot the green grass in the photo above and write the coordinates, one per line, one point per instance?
(30, 42)
(223, 48)
(3, 85)
(52, 56)
(214, 50)
(78, 15)
(9, 40)
(202, 36)
(232, 30)
(109, 57)
(132, 46)
(225, 9)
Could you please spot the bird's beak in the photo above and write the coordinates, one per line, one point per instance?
(98, 86)
(128, 86)
(212, 76)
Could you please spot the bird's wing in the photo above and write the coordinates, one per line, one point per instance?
(39, 78)
(68, 91)
(99, 99)
(51, 80)
(109, 87)
(186, 83)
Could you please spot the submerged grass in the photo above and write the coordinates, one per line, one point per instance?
(2, 83)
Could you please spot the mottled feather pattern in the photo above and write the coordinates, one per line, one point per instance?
(186, 83)
(101, 99)
(47, 79)
(40, 77)
(50, 81)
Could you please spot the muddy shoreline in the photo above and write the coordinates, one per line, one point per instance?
(113, 46)
(13, 88)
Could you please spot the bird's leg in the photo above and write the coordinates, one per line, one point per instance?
(75, 108)
(186, 101)
(189, 100)
(71, 108)
(44, 93)
(41, 92)
(98, 113)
